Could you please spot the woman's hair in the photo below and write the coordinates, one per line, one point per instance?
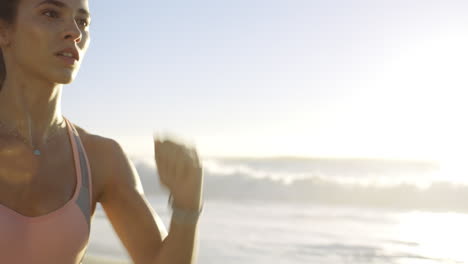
(8, 11)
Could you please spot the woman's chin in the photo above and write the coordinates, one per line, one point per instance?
(67, 81)
(65, 77)
(64, 80)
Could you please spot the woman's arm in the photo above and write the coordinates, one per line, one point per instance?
(179, 245)
(137, 225)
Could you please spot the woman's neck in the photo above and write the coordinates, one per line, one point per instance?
(33, 110)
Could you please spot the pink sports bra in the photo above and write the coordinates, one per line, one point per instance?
(59, 237)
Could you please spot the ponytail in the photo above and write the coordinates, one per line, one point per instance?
(2, 70)
(8, 12)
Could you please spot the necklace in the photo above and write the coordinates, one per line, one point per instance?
(14, 132)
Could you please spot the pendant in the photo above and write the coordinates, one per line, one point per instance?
(37, 152)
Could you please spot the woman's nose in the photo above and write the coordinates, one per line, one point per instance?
(73, 32)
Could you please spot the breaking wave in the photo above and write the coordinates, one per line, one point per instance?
(394, 189)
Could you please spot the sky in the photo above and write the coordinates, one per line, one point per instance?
(337, 78)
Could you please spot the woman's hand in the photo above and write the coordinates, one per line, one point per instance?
(180, 171)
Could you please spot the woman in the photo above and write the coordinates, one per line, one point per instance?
(52, 172)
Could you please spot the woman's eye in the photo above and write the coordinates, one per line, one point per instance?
(50, 13)
(83, 22)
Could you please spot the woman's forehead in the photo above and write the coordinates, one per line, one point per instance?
(72, 4)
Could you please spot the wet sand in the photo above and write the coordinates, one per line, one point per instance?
(93, 259)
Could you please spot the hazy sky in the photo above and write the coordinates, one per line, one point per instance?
(278, 77)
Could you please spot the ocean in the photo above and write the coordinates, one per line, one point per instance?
(304, 210)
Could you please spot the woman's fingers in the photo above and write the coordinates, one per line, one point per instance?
(163, 160)
(172, 160)
(180, 171)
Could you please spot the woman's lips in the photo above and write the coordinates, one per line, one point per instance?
(67, 60)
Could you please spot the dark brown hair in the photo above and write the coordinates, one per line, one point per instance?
(8, 11)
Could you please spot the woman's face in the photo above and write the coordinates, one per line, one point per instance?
(43, 30)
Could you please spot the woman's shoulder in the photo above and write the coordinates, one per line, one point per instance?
(96, 144)
(103, 153)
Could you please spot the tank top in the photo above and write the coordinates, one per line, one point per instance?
(58, 237)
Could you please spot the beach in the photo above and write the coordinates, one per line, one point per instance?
(315, 211)
(90, 259)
